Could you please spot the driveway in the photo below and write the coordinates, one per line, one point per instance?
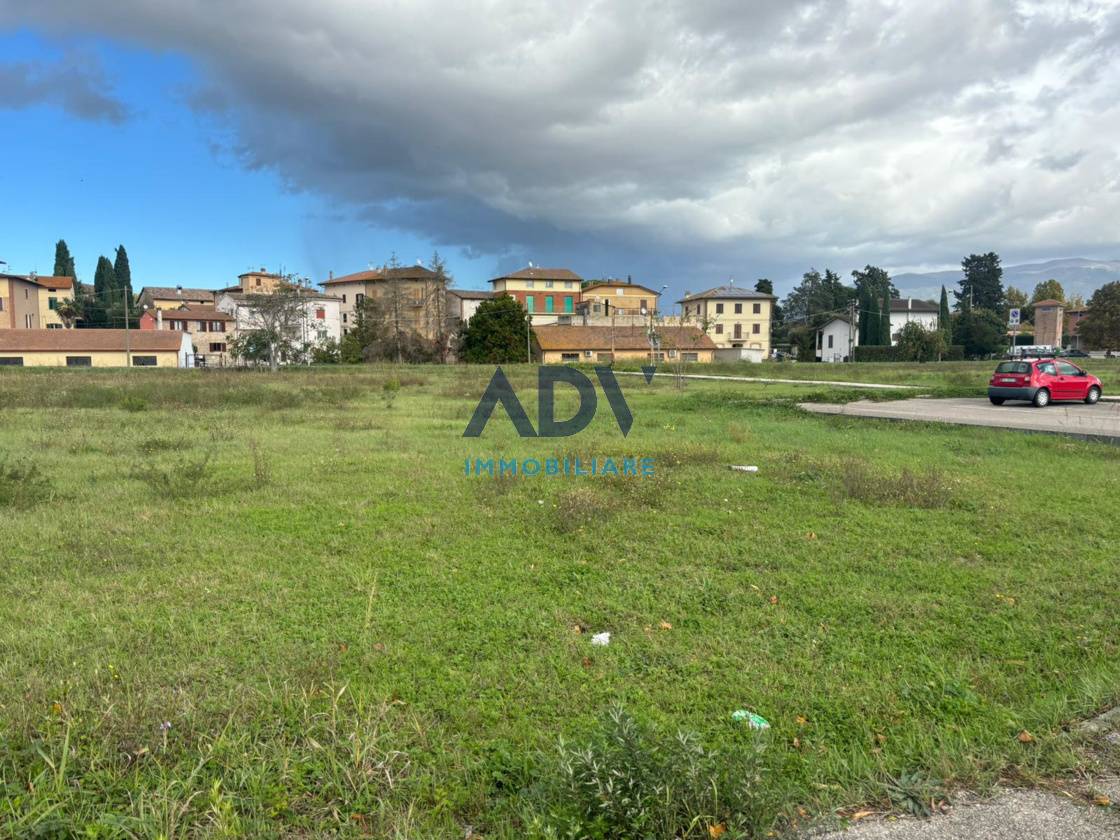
(1094, 421)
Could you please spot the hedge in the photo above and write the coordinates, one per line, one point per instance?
(878, 353)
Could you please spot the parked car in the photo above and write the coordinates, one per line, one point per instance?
(1042, 382)
(1074, 354)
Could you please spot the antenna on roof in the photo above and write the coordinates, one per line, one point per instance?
(419, 261)
(530, 263)
(730, 281)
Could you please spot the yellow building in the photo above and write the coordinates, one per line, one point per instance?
(546, 293)
(94, 348)
(560, 345)
(605, 298)
(30, 302)
(735, 318)
(263, 282)
(168, 297)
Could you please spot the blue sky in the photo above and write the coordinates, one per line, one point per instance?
(165, 183)
(716, 140)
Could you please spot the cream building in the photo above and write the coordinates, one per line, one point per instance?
(735, 318)
(94, 348)
(30, 302)
(618, 297)
(413, 294)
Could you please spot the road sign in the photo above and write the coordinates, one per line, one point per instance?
(1013, 317)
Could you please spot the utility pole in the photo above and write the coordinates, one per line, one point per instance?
(851, 331)
(529, 339)
(127, 333)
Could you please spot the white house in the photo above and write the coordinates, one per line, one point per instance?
(836, 340)
(321, 322)
(905, 310)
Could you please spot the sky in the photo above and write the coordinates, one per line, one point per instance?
(685, 142)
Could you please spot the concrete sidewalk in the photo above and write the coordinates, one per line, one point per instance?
(1101, 421)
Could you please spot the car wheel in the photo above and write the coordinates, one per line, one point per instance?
(1093, 396)
(996, 400)
(1042, 398)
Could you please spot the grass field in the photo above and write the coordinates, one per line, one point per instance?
(237, 604)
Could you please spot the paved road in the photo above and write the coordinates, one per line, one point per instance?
(722, 378)
(1101, 420)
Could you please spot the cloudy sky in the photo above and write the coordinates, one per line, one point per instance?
(680, 141)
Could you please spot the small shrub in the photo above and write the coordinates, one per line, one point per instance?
(262, 469)
(389, 391)
(909, 488)
(22, 484)
(134, 403)
(186, 478)
(631, 780)
(151, 446)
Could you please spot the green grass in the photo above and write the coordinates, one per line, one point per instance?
(347, 635)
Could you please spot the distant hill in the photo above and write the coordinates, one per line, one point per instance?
(1078, 276)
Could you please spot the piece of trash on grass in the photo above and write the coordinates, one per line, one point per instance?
(751, 468)
(601, 639)
(752, 720)
(1025, 737)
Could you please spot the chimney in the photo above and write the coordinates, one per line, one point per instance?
(909, 304)
(159, 319)
(330, 275)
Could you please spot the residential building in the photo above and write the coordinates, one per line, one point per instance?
(1048, 322)
(263, 282)
(94, 348)
(321, 319)
(167, 297)
(837, 340)
(463, 303)
(412, 296)
(209, 328)
(908, 310)
(30, 301)
(735, 318)
(546, 293)
(1073, 319)
(564, 344)
(604, 298)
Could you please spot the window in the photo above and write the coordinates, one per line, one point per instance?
(548, 303)
(690, 357)
(619, 292)
(757, 309)
(358, 299)
(756, 328)
(27, 321)
(569, 304)
(320, 314)
(52, 303)
(1, 304)
(1066, 369)
(548, 284)
(642, 304)
(217, 347)
(344, 317)
(569, 357)
(202, 326)
(738, 330)
(1046, 367)
(344, 298)
(567, 284)
(529, 284)
(217, 326)
(143, 361)
(719, 329)
(11, 361)
(257, 281)
(738, 309)
(830, 342)
(719, 308)
(54, 326)
(820, 340)
(530, 303)
(1013, 367)
(79, 361)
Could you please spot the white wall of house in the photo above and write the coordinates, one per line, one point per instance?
(833, 340)
(322, 317)
(928, 320)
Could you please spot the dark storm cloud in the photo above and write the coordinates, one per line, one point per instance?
(684, 136)
(77, 88)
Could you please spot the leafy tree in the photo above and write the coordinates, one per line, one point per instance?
(63, 262)
(378, 334)
(276, 323)
(943, 320)
(1048, 290)
(885, 319)
(982, 283)
(70, 312)
(873, 280)
(765, 286)
(350, 350)
(1017, 299)
(326, 353)
(917, 344)
(1100, 328)
(496, 332)
(980, 331)
(817, 298)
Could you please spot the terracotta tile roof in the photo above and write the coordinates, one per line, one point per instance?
(46, 341)
(536, 273)
(1048, 302)
(618, 284)
(407, 272)
(171, 293)
(54, 283)
(470, 294)
(625, 338)
(728, 293)
(193, 313)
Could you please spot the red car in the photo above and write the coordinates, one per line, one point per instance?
(1042, 381)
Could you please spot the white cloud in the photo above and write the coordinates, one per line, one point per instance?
(781, 132)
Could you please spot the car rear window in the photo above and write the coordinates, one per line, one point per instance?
(1013, 367)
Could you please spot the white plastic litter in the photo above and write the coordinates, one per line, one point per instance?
(744, 468)
(601, 639)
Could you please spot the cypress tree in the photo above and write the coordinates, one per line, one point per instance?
(122, 277)
(943, 315)
(885, 319)
(871, 315)
(63, 262)
(864, 318)
(104, 287)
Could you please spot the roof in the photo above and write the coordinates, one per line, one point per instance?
(55, 283)
(236, 294)
(728, 293)
(470, 294)
(46, 341)
(912, 305)
(618, 284)
(175, 293)
(407, 272)
(624, 338)
(838, 319)
(193, 313)
(537, 273)
(1048, 302)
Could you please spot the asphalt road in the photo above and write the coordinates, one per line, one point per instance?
(1097, 421)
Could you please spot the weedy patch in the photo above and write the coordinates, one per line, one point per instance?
(928, 489)
(632, 780)
(187, 478)
(262, 466)
(22, 484)
(575, 507)
(155, 445)
(688, 454)
(133, 403)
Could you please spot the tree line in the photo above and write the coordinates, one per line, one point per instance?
(111, 298)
